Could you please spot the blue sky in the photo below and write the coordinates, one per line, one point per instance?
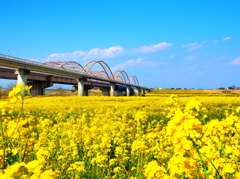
(180, 44)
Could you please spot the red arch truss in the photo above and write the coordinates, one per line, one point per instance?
(134, 80)
(105, 67)
(123, 74)
(119, 75)
(68, 65)
(98, 73)
(119, 78)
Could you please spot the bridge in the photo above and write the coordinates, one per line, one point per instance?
(83, 78)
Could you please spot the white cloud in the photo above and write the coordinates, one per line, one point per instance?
(152, 48)
(105, 53)
(192, 46)
(110, 52)
(226, 39)
(94, 53)
(65, 56)
(192, 57)
(172, 56)
(218, 60)
(236, 61)
(138, 62)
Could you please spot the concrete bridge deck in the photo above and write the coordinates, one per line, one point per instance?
(41, 76)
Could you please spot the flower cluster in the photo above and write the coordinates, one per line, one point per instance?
(16, 93)
(121, 137)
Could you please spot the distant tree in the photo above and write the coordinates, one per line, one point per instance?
(57, 86)
(74, 88)
(10, 86)
(221, 88)
(59, 89)
(172, 88)
(234, 87)
(3, 92)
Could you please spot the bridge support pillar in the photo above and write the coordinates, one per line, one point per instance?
(22, 78)
(84, 92)
(81, 90)
(112, 89)
(136, 91)
(86, 88)
(119, 93)
(127, 90)
(39, 86)
(105, 91)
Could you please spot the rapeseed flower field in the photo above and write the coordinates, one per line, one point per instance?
(119, 137)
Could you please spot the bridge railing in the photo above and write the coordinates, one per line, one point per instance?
(19, 59)
(31, 62)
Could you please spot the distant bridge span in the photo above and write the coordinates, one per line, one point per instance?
(43, 75)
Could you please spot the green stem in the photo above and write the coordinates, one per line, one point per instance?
(212, 164)
(20, 152)
(201, 159)
(3, 143)
(24, 149)
(138, 165)
(22, 103)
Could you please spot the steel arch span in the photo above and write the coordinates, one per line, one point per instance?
(68, 65)
(119, 78)
(98, 73)
(123, 74)
(134, 80)
(119, 75)
(105, 67)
